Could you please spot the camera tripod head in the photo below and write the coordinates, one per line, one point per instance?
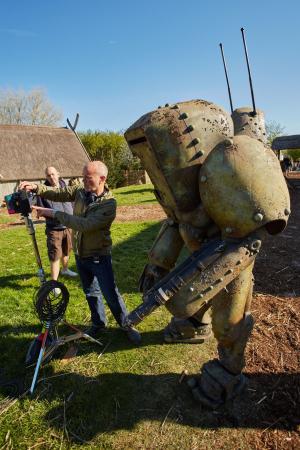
(19, 202)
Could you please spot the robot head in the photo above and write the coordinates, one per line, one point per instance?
(249, 124)
(242, 188)
(173, 142)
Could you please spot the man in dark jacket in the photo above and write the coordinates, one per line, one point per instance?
(94, 212)
(59, 239)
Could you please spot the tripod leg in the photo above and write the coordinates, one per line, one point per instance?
(79, 335)
(90, 338)
(84, 335)
(31, 230)
(37, 367)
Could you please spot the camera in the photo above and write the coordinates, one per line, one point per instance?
(19, 202)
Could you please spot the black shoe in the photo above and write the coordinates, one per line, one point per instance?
(95, 330)
(133, 335)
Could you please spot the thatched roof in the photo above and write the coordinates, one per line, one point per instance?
(25, 152)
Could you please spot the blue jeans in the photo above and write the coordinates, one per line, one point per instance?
(97, 279)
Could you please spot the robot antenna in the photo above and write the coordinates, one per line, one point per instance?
(249, 72)
(226, 75)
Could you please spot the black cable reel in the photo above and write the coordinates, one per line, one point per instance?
(50, 302)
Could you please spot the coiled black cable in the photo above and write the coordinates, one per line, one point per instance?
(51, 301)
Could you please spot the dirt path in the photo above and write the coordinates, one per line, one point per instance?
(277, 269)
(124, 214)
(140, 212)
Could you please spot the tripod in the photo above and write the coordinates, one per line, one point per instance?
(50, 302)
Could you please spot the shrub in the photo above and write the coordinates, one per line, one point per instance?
(111, 148)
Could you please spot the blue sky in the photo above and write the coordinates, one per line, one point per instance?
(113, 61)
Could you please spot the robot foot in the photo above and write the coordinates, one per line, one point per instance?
(182, 330)
(216, 386)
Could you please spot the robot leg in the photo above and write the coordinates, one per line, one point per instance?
(221, 379)
(197, 328)
(162, 258)
(194, 330)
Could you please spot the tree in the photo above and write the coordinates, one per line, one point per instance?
(27, 108)
(294, 154)
(111, 148)
(273, 129)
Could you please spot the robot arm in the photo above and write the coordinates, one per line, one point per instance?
(200, 277)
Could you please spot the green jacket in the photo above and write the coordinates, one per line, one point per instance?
(91, 223)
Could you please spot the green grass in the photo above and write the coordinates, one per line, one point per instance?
(117, 400)
(134, 195)
(123, 398)
(6, 218)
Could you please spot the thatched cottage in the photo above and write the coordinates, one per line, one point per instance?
(26, 150)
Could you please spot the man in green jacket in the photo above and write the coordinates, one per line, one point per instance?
(93, 214)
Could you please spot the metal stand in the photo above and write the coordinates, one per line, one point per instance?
(39, 361)
(31, 231)
(46, 314)
(65, 339)
(47, 353)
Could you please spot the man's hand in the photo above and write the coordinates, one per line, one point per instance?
(27, 186)
(43, 212)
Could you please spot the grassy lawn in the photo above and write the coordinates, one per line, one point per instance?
(118, 399)
(134, 195)
(110, 397)
(6, 218)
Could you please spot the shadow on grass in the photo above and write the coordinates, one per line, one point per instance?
(13, 336)
(118, 401)
(149, 397)
(109, 402)
(150, 201)
(88, 406)
(15, 341)
(140, 191)
(13, 281)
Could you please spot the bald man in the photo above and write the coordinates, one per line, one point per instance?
(59, 239)
(94, 212)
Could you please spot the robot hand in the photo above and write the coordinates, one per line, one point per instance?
(150, 276)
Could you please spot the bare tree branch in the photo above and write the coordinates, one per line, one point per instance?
(32, 108)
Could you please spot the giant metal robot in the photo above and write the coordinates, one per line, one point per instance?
(223, 192)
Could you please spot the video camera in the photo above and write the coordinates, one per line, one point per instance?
(19, 202)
